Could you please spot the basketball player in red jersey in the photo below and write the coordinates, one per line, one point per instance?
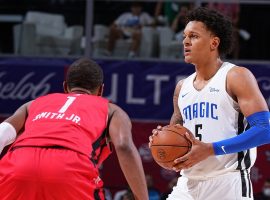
(65, 138)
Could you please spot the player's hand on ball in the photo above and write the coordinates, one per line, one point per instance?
(154, 133)
(199, 151)
(169, 143)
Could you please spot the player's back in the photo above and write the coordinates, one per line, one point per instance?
(73, 121)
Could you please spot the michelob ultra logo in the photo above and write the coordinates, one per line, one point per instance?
(23, 88)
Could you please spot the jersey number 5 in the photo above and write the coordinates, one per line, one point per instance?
(197, 134)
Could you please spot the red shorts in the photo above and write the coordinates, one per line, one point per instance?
(31, 173)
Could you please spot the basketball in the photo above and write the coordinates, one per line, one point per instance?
(169, 144)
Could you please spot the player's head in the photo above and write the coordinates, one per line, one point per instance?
(86, 75)
(136, 8)
(219, 25)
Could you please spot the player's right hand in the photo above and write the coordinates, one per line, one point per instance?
(156, 130)
(154, 133)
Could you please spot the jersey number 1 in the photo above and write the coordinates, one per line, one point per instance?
(67, 104)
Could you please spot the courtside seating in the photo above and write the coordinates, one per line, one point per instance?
(169, 46)
(46, 34)
(122, 46)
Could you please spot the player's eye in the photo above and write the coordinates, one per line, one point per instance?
(194, 36)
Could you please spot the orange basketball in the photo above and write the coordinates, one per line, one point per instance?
(169, 144)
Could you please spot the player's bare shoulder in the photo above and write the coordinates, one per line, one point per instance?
(114, 108)
(239, 72)
(117, 112)
(239, 75)
(239, 78)
(119, 127)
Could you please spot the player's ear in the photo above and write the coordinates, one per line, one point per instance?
(215, 43)
(100, 90)
(65, 87)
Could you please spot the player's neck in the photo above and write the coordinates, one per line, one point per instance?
(205, 71)
(78, 90)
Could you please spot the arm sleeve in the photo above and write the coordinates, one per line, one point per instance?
(257, 135)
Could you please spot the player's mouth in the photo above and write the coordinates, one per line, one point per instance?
(186, 52)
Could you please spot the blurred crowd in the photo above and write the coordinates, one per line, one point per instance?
(138, 29)
(168, 21)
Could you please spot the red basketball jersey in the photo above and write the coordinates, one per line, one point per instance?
(74, 121)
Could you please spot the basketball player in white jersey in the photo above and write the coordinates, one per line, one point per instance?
(223, 107)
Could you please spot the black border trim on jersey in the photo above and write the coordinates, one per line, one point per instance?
(246, 185)
(101, 143)
(244, 155)
(96, 194)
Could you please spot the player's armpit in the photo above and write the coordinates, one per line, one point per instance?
(176, 119)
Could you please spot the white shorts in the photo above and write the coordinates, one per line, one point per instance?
(230, 186)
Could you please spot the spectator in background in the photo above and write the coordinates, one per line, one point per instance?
(108, 194)
(232, 11)
(179, 21)
(170, 32)
(128, 25)
(128, 196)
(125, 194)
(165, 12)
(265, 194)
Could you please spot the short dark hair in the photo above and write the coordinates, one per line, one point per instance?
(136, 4)
(84, 73)
(217, 23)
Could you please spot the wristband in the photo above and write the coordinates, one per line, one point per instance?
(7, 134)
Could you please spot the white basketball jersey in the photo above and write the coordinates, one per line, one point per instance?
(212, 115)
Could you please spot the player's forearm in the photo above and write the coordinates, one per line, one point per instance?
(132, 168)
(16, 123)
(18, 119)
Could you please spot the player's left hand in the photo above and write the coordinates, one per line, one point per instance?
(199, 151)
